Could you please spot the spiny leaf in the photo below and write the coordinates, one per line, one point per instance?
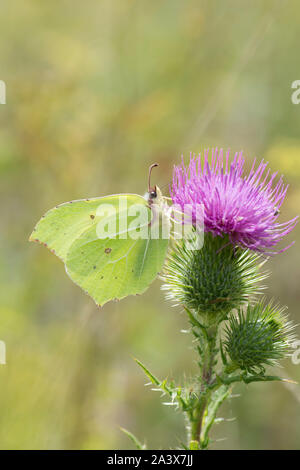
(248, 378)
(216, 400)
(153, 379)
(134, 439)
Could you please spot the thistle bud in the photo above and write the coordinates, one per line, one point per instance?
(258, 337)
(212, 281)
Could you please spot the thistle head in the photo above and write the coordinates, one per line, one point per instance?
(212, 281)
(258, 337)
(243, 207)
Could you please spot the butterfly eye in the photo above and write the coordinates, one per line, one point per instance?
(153, 194)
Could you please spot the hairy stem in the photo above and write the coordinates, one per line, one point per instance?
(207, 361)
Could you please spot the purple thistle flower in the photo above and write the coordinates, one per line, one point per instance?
(244, 207)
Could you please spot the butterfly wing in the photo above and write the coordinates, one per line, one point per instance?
(106, 268)
(63, 224)
(114, 268)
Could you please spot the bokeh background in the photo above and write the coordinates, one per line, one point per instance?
(96, 92)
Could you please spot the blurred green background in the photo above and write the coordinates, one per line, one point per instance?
(97, 91)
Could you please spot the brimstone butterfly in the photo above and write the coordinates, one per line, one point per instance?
(108, 248)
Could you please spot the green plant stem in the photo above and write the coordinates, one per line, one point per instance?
(200, 409)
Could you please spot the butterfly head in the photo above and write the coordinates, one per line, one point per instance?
(153, 195)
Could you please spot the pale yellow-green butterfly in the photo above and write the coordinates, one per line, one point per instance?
(108, 248)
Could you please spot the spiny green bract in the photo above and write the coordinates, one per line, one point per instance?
(258, 337)
(214, 280)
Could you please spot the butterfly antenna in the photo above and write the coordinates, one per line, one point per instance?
(149, 176)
